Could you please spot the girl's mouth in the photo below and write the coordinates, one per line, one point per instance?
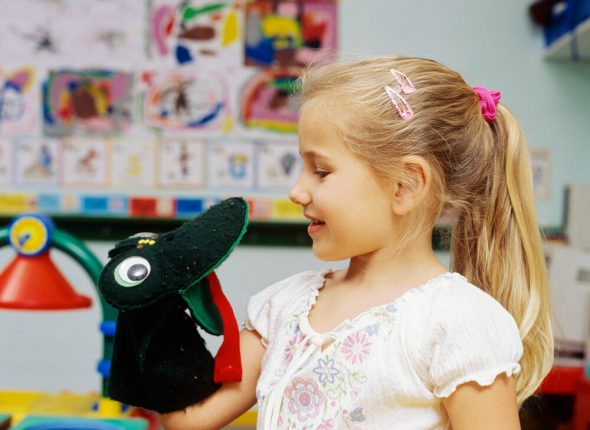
(315, 226)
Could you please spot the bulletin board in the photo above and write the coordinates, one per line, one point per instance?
(154, 109)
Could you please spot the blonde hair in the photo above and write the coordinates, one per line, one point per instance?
(482, 173)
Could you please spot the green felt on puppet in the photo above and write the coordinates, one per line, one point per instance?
(159, 360)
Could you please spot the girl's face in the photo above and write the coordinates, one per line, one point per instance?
(349, 210)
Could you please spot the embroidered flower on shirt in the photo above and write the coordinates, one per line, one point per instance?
(326, 370)
(325, 425)
(391, 308)
(372, 330)
(305, 398)
(357, 415)
(292, 346)
(356, 347)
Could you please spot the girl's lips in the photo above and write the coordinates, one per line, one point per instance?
(314, 227)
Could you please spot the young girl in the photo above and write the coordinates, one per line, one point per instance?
(395, 341)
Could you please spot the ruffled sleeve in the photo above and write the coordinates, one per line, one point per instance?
(267, 309)
(476, 340)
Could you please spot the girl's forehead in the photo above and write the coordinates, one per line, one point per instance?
(316, 113)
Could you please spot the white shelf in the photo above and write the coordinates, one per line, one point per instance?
(561, 49)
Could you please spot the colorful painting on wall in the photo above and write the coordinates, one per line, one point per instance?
(278, 165)
(85, 161)
(182, 164)
(231, 164)
(183, 101)
(289, 33)
(269, 101)
(37, 161)
(18, 101)
(133, 163)
(5, 164)
(177, 102)
(86, 102)
(188, 30)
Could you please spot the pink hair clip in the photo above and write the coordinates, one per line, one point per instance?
(399, 102)
(488, 100)
(405, 84)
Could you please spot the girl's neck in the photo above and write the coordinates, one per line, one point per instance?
(413, 265)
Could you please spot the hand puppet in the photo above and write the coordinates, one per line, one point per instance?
(162, 285)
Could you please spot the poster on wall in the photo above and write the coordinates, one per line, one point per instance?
(289, 33)
(84, 162)
(133, 163)
(231, 164)
(19, 100)
(186, 102)
(269, 101)
(181, 164)
(86, 102)
(77, 33)
(5, 162)
(104, 100)
(193, 32)
(37, 161)
(279, 165)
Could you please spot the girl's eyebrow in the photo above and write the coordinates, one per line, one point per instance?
(314, 155)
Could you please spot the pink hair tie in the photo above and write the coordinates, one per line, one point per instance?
(488, 99)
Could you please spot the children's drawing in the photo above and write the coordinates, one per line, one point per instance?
(5, 162)
(109, 32)
(86, 102)
(269, 100)
(29, 30)
(84, 162)
(231, 164)
(289, 33)
(278, 165)
(182, 163)
(181, 101)
(133, 162)
(75, 32)
(188, 30)
(18, 100)
(37, 161)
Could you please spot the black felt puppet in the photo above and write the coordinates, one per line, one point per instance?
(161, 285)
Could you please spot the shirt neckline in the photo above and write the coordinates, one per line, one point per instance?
(318, 283)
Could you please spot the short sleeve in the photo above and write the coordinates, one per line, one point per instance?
(268, 308)
(477, 340)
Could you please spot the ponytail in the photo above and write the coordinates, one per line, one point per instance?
(497, 245)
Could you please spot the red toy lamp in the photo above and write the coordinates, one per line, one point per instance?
(32, 281)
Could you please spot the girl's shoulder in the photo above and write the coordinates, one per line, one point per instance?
(453, 297)
(460, 333)
(269, 307)
(450, 308)
(295, 287)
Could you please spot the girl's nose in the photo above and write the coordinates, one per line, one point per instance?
(299, 195)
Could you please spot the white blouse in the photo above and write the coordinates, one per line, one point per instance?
(387, 368)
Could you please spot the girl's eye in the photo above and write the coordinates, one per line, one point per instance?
(321, 173)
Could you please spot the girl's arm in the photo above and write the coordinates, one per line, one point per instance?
(230, 400)
(472, 407)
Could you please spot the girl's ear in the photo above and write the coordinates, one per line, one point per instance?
(413, 185)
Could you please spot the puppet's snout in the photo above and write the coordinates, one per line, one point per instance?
(132, 271)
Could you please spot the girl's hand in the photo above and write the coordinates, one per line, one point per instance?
(472, 407)
(230, 400)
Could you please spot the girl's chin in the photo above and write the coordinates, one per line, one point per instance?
(326, 255)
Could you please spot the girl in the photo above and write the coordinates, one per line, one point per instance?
(395, 340)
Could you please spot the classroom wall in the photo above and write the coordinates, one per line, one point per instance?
(492, 43)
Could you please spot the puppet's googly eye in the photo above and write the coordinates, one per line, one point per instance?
(132, 271)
